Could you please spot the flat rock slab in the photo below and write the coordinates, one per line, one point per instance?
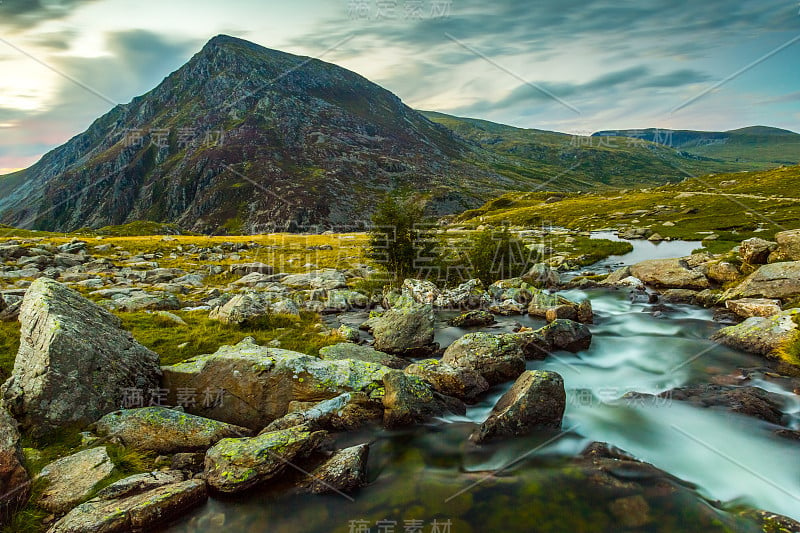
(165, 430)
(778, 280)
(750, 307)
(138, 503)
(669, 274)
(348, 350)
(71, 480)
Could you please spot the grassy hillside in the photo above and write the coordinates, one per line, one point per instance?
(585, 163)
(756, 147)
(732, 206)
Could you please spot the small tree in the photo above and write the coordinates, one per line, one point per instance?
(496, 254)
(401, 237)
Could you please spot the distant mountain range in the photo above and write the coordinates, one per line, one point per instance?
(756, 144)
(243, 139)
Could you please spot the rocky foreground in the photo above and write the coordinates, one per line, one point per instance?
(245, 416)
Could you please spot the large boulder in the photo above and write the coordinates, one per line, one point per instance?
(236, 465)
(423, 292)
(405, 330)
(542, 301)
(250, 385)
(777, 280)
(458, 382)
(760, 335)
(75, 363)
(536, 400)
(756, 251)
(137, 503)
(498, 358)
(468, 295)
(348, 350)
(14, 481)
(71, 480)
(408, 400)
(670, 274)
(344, 472)
(163, 430)
(789, 245)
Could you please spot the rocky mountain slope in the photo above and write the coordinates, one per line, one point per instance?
(246, 139)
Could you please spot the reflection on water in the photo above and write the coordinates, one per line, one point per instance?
(415, 474)
(643, 250)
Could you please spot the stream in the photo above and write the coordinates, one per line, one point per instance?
(432, 478)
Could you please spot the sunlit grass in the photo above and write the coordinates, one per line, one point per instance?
(202, 335)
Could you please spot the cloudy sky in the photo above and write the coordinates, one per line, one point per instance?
(576, 67)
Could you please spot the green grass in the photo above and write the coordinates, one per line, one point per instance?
(587, 251)
(56, 445)
(9, 344)
(581, 163)
(693, 207)
(201, 335)
(139, 228)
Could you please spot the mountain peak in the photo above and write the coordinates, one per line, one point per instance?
(229, 43)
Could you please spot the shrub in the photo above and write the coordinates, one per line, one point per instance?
(402, 239)
(491, 254)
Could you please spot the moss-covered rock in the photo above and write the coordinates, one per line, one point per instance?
(777, 280)
(236, 465)
(74, 363)
(138, 503)
(759, 335)
(163, 430)
(498, 358)
(458, 382)
(346, 412)
(250, 385)
(408, 400)
(71, 480)
(406, 330)
(347, 350)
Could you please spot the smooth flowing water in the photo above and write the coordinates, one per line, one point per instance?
(431, 476)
